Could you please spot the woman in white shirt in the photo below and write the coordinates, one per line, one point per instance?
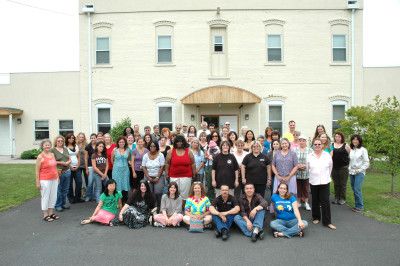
(319, 165)
(359, 163)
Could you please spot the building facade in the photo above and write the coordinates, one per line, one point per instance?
(253, 63)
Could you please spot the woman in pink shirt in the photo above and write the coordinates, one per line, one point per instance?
(47, 181)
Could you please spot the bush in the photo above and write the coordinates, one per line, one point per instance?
(118, 130)
(30, 154)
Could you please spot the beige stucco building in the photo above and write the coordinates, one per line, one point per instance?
(253, 63)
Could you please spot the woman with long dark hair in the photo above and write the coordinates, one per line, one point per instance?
(136, 164)
(120, 159)
(340, 170)
(76, 174)
(137, 210)
(100, 168)
(249, 139)
(171, 208)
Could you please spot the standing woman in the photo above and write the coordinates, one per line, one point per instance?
(249, 139)
(224, 133)
(47, 180)
(295, 143)
(192, 129)
(268, 139)
(256, 169)
(214, 136)
(153, 167)
(136, 211)
(76, 174)
(147, 140)
(164, 148)
(319, 172)
(180, 165)
(165, 132)
(303, 184)
(131, 142)
(81, 143)
(232, 138)
(63, 162)
(199, 159)
(136, 164)
(340, 171)
(100, 168)
(89, 169)
(284, 166)
(359, 163)
(239, 154)
(110, 146)
(276, 146)
(326, 143)
(319, 130)
(203, 141)
(120, 157)
(128, 131)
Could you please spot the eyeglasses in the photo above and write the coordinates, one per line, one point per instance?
(317, 144)
(215, 136)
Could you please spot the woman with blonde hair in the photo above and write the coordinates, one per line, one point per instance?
(197, 206)
(47, 180)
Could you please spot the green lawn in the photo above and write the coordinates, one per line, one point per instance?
(17, 184)
(378, 203)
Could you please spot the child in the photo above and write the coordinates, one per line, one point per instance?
(107, 208)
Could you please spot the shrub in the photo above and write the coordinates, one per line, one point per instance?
(118, 129)
(30, 154)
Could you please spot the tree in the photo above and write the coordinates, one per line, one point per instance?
(379, 126)
(118, 129)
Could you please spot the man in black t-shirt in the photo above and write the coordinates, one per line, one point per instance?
(223, 210)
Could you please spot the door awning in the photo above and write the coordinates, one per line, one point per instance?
(220, 94)
(8, 110)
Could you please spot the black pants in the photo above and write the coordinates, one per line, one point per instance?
(260, 189)
(340, 177)
(135, 181)
(75, 196)
(320, 203)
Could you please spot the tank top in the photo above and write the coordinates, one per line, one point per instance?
(180, 166)
(48, 169)
(340, 157)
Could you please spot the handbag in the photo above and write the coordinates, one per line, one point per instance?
(196, 226)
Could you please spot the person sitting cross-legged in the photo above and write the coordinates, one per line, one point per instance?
(288, 222)
(252, 212)
(223, 210)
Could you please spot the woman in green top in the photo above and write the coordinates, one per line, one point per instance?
(107, 208)
(63, 161)
(326, 143)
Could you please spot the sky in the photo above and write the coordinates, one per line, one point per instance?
(42, 35)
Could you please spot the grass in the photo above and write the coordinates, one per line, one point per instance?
(378, 202)
(17, 184)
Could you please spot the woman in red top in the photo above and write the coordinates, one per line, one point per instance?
(110, 146)
(47, 180)
(180, 165)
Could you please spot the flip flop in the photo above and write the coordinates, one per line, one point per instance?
(48, 219)
(86, 221)
(315, 221)
(54, 216)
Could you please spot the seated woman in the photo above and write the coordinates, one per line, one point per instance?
(136, 212)
(288, 222)
(171, 208)
(197, 206)
(107, 208)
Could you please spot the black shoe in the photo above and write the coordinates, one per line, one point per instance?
(217, 234)
(225, 234)
(79, 201)
(72, 201)
(66, 207)
(261, 235)
(254, 237)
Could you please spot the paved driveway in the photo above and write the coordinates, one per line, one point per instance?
(26, 240)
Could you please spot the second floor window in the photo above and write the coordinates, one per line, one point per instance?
(103, 50)
(164, 49)
(274, 42)
(218, 44)
(339, 48)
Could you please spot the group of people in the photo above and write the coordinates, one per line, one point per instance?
(202, 177)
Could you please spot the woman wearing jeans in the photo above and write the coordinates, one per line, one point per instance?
(359, 163)
(100, 168)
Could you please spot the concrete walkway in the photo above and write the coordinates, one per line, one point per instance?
(9, 160)
(27, 240)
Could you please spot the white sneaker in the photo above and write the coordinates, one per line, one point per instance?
(157, 224)
(308, 208)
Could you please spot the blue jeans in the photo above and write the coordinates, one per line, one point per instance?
(77, 176)
(356, 182)
(219, 224)
(97, 185)
(258, 221)
(89, 184)
(62, 190)
(288, 228)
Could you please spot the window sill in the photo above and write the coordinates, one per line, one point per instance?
(102, 66)
(219, 78)
(275, 64)
(165, 65)
(340, 64)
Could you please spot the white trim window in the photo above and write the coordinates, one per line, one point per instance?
(218, 44)
(103, 117)
(275, 115)
(42, 129)
(338, 113)
(102, 50)
(65, 127)
(339, 48)
(164, 49)
(165, 115)
(274, 48)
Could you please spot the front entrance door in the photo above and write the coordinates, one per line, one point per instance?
(219, 121)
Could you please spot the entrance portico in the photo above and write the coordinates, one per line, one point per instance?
(7, 132)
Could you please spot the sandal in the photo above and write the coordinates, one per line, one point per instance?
(331, 226)
(48, 219)
(54, 216)
(86, 221)
(278, 234)
(301, 233)
(315, 221)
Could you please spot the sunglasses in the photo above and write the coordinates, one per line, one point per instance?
(317, 144)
